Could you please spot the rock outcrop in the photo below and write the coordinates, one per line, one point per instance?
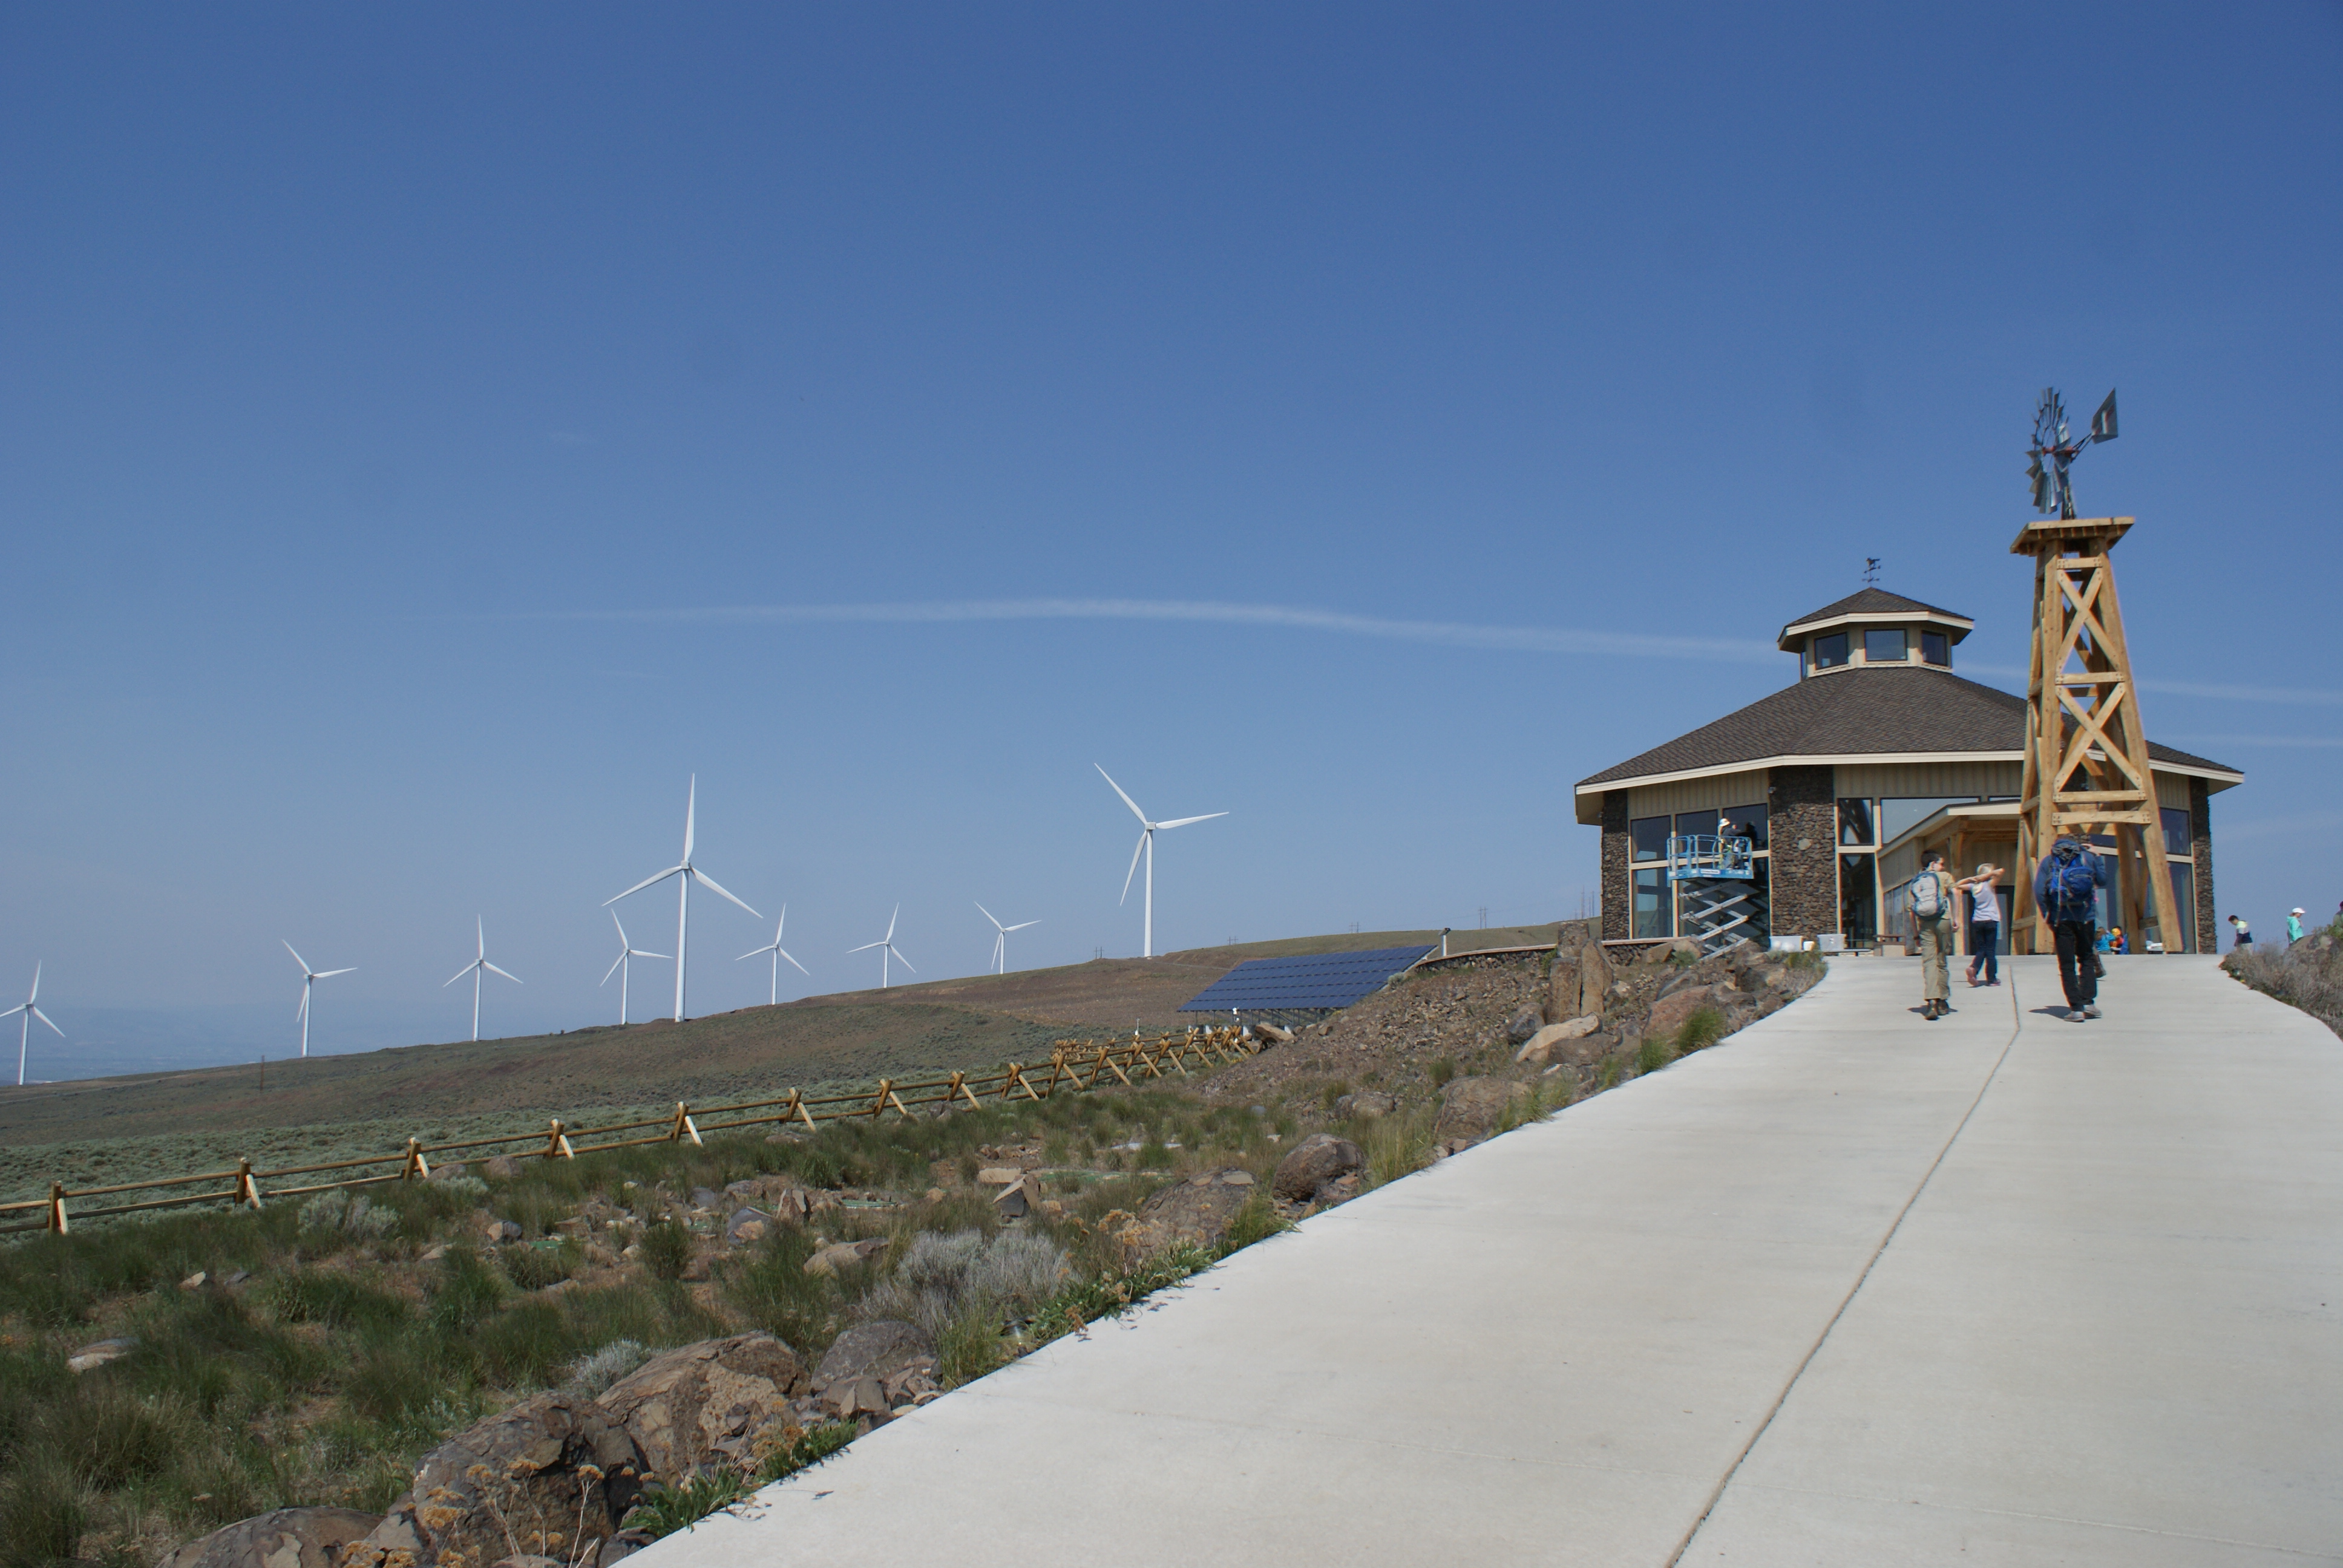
(705, 1403)
(1197, 1210)
(554, 1472)
(286, 1538)
(1471, 1108)
(1316, 1164)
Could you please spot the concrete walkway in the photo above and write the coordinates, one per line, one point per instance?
(1849, 1289)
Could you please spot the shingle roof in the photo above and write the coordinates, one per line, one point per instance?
(1875, 601)
(1859, 712)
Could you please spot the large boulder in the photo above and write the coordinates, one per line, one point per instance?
(1669, 1013)
(555, 1471)
(287, 1538)
(1543, 1044)
(1197, 1210)
(1366, 1105)
(1562, 987)
(1593, 979)
(1317, 1162)
(1472, 1107)
(878, 1350)
(1523, 1025)
(704, 1404)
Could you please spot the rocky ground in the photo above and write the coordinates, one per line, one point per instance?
(534, 1361)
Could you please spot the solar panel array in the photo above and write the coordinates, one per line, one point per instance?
(1309, 980)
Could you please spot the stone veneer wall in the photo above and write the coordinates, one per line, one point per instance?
(2200, 842)
(1802, 829)
(1618, 895)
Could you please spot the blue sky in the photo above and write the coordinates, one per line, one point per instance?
(429, 435)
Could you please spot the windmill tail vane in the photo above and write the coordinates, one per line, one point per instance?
(2053, 493)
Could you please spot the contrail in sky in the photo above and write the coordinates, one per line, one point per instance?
(1450, 634)
(1299, 617)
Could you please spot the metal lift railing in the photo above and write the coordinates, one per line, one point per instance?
(1705, 856)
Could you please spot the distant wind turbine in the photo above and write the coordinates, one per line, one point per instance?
(886, 946)
(1000, 939)
(310, 976)
(475, 968)
(27, 1012)
(779, 952)
(684, 874)
(1147, 831)
(622, 969)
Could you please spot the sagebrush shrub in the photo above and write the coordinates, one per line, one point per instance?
(942, 1278)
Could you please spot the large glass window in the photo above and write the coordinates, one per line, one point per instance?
(2184, 894)
(1936, 647)
(1649, 839)
(2177, 837)
(1855, 823)
(1883, 645)
(1689, 823)
(1830, 651)
(1858, 899)
(1748, 822)
(1652, 912)
(1898, 815)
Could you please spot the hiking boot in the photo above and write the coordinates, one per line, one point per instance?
(1929, 1011)
(2075, 1016)
(2091, 1010)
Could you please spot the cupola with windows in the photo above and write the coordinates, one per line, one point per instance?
(1872, 629)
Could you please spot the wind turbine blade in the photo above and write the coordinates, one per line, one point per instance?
(901, 958)
(705, 881)
(1185, 820)
(614, 920)
(1118, 789)
(1021, 926)
(646, 882)
(493, 970)
(640, 954)
(46, 1019)
(799, 968)
(297, 957)
(301, 1012)
(613, 969)
(480, 930)
(35, 995)
(691, 814)
(891, 922)
(12, 1012)
(988, 914)
(460, 974)
(1134, 862)
(863, 949)
(758, 953)
(328, 974)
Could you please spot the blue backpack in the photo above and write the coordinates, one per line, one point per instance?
(2075, 884)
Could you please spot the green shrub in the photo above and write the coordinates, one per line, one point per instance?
(468, 1292)
(1607, 1075)
(771, 1288)
(1703, 1029)
(1257, 1220)
(533, 1267)
(667, 1249)
(663, 1510)
(969, 1346)
(1333, 1093)
(1442, 1069)
(1397, 1145)
(1652, 1055)
(42, 1515)
(109, 1435)
(335, 1300)
(526, 1345)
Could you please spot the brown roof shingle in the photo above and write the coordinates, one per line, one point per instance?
(1859, 712)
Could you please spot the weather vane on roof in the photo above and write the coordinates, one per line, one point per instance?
(1871, 571)
(2052, 494)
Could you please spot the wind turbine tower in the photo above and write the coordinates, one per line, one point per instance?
(1000, 939)
(886, 946)
(779, 952)
(27, 1011)
(475, 968)
(684, 874)
(1147, 831)
(309, 977)
(623, 969)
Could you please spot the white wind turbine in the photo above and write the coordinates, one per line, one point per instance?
(310, 976)
(1147, 831)
(622, 969)
(886, 946)
(475, 968)
(779, 952)
(1000, 939)
(684, 874)
(28, 1012)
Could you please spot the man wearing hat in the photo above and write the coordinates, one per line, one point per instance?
(2294, 924)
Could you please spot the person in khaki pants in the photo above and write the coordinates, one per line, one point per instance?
(1931, 915)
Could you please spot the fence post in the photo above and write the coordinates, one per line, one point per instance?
(58, 1224)
(684, 1127)
(247, 1190)
(416, 1168)
(557, 1144)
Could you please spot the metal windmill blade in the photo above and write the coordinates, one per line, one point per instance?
(2103, 423)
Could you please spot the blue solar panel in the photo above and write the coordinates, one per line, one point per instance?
(1310, 980)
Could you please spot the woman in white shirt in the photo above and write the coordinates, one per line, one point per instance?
(1984, 923)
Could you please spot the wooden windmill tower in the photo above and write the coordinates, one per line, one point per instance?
(2087, 769)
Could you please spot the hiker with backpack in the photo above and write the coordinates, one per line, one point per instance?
(1932, 918)
(2067, 890)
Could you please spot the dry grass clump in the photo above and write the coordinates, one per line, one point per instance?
(2307, 975)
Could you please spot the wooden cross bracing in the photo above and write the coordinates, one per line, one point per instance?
(2087, 772)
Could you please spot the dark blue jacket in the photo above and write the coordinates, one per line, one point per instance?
(2052, 905)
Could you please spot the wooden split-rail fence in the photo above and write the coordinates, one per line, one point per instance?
(1072, 1065)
